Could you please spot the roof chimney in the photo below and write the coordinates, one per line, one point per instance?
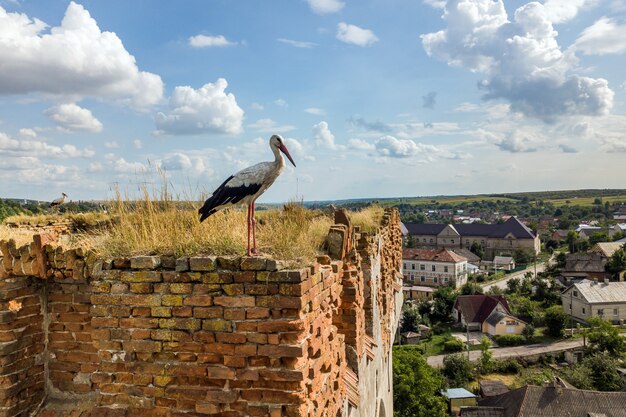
(595, 281)
(606, 281)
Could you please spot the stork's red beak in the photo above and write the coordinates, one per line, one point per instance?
(284, 150)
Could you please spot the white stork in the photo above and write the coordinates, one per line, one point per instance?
(246, 186)
(59, 201)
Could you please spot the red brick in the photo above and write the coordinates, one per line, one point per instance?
(235, 301)
(230, 337)
(199, 300)
(280, 351)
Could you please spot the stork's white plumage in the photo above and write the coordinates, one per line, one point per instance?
(59, 201)
(246, 186)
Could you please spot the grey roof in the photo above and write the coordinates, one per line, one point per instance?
(622, 240)
(607, 248)
(584, 262)
(482, 412)
(491, 387)
(495, 317)
(502, 260)
(404, 230)
(457, 393)
(600, 292)
(512, 226)
(466, 253)
(531, 401)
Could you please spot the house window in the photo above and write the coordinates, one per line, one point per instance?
(445, 280)
(424, 240)
(435, 280)
(575, 293)
(615, 312)
(600, 312)
(452, 240)
(422, 267)
(422, 279)
(404, 265)
(431, 240)
(413, 266)
(510, 243)
(570, 307)
(445, 269)
(434, 268)
(482, 242)
(584, 312)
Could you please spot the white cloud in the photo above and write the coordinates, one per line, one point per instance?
(75, 59)
(560, 11)
(256, 106)
(204, 41)
(269, 125)
(399, 148)
(137, 144)
(121, 166)
(28, 133)
(360, 145)
(522, 59)
(435, 4)
(325, 6)
(323, 136)
(111, 145)
(207, 109)
(567, 148)
(176, 162)
(355, 35)
(517, 142)
(37, 148)
(73, 118)
(95, 167)
(314, 110)
(297, 44)
(605, 36)
(281, 102)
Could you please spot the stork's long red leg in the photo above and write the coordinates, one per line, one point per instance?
(249, 211)
(254, 251)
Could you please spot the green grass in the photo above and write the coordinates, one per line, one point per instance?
(586, 201)
(441, 200)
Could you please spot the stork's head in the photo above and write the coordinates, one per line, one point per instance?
(277, 142)
(64, 195)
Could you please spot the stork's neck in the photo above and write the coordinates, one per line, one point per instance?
(278, 157)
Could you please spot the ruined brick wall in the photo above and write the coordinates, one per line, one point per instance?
(223, 336)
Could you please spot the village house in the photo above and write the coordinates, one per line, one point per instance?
(606, 249)
(583, 265)
(417, 293)
(496, 239)
(426, 267)
(489, 314)
(620, 213)
(589, 298)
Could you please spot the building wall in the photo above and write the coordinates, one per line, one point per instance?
(227, 336)
(591, 310)
(456, 271)
(502, 326)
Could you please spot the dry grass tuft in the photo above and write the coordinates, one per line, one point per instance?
(79, 220)
(368, 219)
(21, 236)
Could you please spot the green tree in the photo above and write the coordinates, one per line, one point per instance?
(555, 320)
(603, 337)
(410, 318)
(477, 250)
(415, 385)
(443, 301)
(617, 261)
(457, 369)
(529, 333)
(485, 355)
(471, 288)
(604, 374)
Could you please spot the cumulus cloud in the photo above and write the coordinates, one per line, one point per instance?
(269, 125)
(121, 166)
(28, 133)
(517, 142)
(605, 36)
(560, 11)
(38, 148)
(297, 44)
(402, 148)
(281, 102)
(137, 144)
(204, 41)
(361, 145)
(73, 118)
(355, 35)
(429, 100)
(325, 6)
(521, 59)
(323, 136)
(207, 109)
(111, 145)
(176, 162)
(614, 144)
(75, 59)
(256, 106)
(436, 4)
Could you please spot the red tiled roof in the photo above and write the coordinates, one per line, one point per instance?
(439, 255)
(476, 308)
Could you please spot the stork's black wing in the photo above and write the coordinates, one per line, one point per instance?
(226, 195)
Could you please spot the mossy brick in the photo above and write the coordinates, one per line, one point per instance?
(110, 275)
(145, 262)
(291, 289)
(203, 264)
(234, 301)
(172, 300)
(144, 300)
(179, 288)
(162, 381)
(161, 334)
(168, 261)
(279, 301)
(257, 313)
(215, 372)
(208, 312)
(244, 276)
(231, 263)
(250, 263)
(141, 276)
(182, 264)
(161, 312)
(217, 325)
(119, 288)
(121, 263)
(281, 276)
(208, 289)
(232, 289)
(143, 346)
(217, 278)
(141, 288)
(101, 286)
(180, 324)
(235, 313)
(256, 289)
(106, 299)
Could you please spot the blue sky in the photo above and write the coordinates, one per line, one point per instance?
(376, 98)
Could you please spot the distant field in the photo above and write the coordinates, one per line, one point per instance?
(443, 200)
(586, 201)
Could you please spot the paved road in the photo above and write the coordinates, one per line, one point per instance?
(519, 274)
(516, 351)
